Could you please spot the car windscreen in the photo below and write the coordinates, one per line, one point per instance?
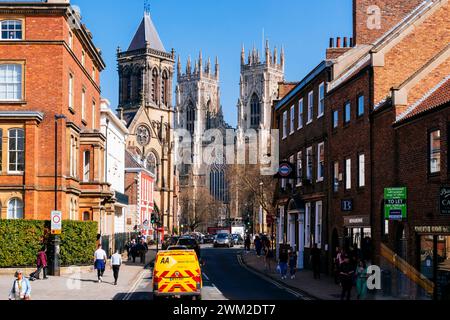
(222, 236)
(187, 242)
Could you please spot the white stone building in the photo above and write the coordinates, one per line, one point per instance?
(116, 134)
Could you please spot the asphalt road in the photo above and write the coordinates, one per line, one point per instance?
(224, 278)
(236, 282)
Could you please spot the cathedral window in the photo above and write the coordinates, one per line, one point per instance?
(152, 164)
(255, 112)
(154, 85)
(164, 88)
(190, 119)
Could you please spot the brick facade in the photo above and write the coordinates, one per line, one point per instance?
(48, 57)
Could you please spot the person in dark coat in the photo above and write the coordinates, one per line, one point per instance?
(283, 262)
(258, 246)
(248, 243)
(41, 263)
(346, 275)
(315, 261)
(142, 250)
(133, 250)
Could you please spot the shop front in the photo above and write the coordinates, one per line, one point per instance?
(358, 232)
(434, 257)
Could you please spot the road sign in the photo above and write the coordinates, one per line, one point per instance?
(285, 170)
(56, 222)
(395, 206)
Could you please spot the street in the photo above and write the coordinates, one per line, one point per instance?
(224, 278)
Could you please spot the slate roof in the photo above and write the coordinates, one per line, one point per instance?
(146, 33)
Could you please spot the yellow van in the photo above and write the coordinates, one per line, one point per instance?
(177, 273)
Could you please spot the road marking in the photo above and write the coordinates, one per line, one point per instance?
(205, 276)
(135, 285)
(275, 283)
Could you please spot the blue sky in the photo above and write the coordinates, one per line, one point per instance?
(220, 27)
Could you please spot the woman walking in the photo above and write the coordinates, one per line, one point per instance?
(21, 288)
(293, 264)
(361, 280)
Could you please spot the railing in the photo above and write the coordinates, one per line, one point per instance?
(408, 270)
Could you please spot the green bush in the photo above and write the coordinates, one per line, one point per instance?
(21, 240)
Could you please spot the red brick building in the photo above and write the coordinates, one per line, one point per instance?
(302, 202)
(407, 52)
(49, 66)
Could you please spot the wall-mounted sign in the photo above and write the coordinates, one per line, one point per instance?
(432, 229)
(347, 205)
(395, 203)
(286, 171)
(357, 221)
(444, 201)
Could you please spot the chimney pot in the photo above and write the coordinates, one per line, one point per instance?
(345, 42)
(331, 42)
(338, 42)
(351, 43)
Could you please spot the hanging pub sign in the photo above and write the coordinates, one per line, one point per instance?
(285, 171)
(395, 203)
(444, 201)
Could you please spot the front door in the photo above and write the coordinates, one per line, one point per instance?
(301, 240)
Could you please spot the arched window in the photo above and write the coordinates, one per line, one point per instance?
(11, 30)
(190, 119)
(255, 112)
(208, 120)
(138, 87)
(152, 164)
(15, 209)
(164, 88)
(155, 85)
(16, 154)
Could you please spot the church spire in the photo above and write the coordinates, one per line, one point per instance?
(208, 67)
(188, 66)
(179, 66)
(282, 57)
(275, 56)
(217, 68)
(200, 61)
(267, 52)
(243, 55)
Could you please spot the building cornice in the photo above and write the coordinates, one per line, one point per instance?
(22, 115)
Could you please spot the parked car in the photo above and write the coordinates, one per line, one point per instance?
(169, 241)
(209, 238)
(223, 240)
(190, 243)
(237, 239)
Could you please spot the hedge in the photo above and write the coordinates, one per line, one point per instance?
(21, 240)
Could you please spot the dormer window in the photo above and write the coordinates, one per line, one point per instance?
(11, 30)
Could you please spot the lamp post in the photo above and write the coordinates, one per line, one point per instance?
(54, 265)
(261, 209)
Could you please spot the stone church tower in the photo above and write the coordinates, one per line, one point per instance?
(146, 73)
(198, 109)
(259, 87)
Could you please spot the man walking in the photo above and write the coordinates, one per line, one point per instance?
(116, 262)
(315, 261)
(248, 243)
(346, 274)
(100, 259)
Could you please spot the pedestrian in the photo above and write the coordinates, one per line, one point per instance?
(21, 288)
(268, 256)
(116, 262)
(142, 250)
(315, 260)
(283, 262)
(346, 276)
(248, 243)
(41, 263)
(100, 259)
(258, 246)
(338, 260)
(128, 249)
(361, 280)
(133, 250)
(293, 264)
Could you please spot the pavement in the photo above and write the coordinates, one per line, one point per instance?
(84, 286)
(323, 289)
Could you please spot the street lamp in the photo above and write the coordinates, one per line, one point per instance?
(54, 265)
